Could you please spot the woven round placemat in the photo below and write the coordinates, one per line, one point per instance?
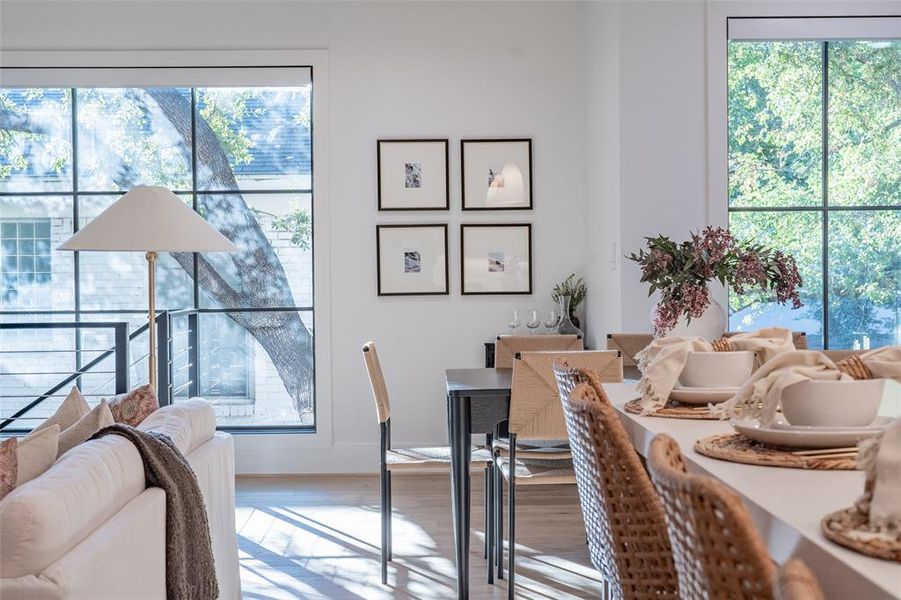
(735, 447)
(672, 410)
(838, 526)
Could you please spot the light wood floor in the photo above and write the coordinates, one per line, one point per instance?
(318, 537)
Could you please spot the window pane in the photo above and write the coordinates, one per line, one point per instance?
(775, 123)
(257, 367)
(274, 267)
(95, 342)
(131, 136)
(42, 359)
(864, 278)
(36, 140)
(118, 280)
(264, 134)
(795, 233)
(33, 275)
(865, 123)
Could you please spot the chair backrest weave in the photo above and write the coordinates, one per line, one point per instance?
(838, 355)
(535, 409)
(717, 550)
(377, 381)
(631, 344)
(506, 346)
(623, 515)
(795, 582)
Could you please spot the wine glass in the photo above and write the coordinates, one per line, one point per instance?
(514, 321)
(533, 322)
(551, 320)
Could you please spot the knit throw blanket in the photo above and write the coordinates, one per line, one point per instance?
(190, 572)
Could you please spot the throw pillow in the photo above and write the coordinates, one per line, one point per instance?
(73, 408)
(8, 466)
(86, 426)
(36, 453)
(133, 407)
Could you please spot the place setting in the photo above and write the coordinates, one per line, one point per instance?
(683, 377)
(802, 410)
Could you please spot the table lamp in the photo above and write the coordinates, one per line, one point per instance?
(149, 219)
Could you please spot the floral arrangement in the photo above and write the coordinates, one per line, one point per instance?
(681, 273)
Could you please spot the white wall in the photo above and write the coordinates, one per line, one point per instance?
(395, 69)
(603, 240)
(662, 98)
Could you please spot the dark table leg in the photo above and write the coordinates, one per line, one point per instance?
(460, 437)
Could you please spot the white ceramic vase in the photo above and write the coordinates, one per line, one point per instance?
(710, 326)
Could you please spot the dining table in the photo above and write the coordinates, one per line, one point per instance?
(785, 504)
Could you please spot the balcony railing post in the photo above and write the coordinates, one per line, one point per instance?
(163, 363)
(193, 354)
(120, 331)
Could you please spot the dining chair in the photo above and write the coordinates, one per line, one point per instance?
(795, 582)
(406, 459)
(624, 517)
(506, 346)
(717, 550)
(536, 451)
(631, 344)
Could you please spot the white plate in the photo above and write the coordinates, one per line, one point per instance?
(812, 438)
(703, 396)
(878, 424)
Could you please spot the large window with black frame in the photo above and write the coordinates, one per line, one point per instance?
(242, 158)
(814, 134)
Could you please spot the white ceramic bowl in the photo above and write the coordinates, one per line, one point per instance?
(717, 369)
(833, 403)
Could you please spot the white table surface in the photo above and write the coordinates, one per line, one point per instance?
(786, 504)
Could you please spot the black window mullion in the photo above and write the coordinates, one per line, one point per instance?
(76, 258)
(824, 126)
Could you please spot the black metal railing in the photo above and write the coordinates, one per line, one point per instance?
(168, 356)
(119, 352)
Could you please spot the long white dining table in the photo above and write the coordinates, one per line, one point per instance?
(786, 504)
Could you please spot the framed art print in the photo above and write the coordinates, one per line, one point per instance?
(413, 174)
(496, 259)
(411, 260)
(497, 174)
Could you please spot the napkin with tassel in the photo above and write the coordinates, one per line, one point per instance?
(760, 397)
(662, 361)
(880, 457)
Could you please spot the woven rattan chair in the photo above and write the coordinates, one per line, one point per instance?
(624, 517)
(536, 417)
(631, 344)
(795, 582)
(506, 346)
(717, 550)
(406, 459)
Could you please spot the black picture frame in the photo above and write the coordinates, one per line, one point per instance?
(380, 182)
(463, 228)
(464, 142)
(378, 258)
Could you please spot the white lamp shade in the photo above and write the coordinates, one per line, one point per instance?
(149, 219)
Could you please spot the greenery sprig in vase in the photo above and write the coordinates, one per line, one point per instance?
(681, 272)
(575, 288)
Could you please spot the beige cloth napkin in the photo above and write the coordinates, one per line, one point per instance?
(881, 458)
(760, 397)
(662, 361)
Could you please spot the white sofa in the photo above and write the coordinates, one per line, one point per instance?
(89, 528)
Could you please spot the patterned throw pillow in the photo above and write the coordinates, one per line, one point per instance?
(8, 466)
(133, 407)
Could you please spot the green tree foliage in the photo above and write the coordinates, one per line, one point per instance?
(775, 161)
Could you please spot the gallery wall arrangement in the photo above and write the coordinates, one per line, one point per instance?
(414, 175)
